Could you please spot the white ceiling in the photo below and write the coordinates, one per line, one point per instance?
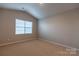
(40, 11)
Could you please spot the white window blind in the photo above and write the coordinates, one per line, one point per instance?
(23, 27)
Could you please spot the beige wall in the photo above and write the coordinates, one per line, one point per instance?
(62, 28)
(7, 25)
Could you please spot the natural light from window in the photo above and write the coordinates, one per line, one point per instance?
(23, 27)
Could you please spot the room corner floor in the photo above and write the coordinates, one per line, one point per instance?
(34, 48)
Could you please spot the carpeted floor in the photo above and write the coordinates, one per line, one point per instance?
(34, 48)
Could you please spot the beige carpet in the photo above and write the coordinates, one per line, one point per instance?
(34, 48)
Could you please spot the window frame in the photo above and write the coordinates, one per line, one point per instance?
(24, 26)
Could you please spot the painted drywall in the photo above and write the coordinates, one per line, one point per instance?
(7, 26)
(61, 28)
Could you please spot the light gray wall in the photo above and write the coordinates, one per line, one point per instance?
(7, 26)
(62, 28)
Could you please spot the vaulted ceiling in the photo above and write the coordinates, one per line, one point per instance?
(40, 11)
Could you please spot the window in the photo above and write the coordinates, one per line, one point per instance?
(23, 27)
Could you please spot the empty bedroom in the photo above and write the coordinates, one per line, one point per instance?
(39, 29)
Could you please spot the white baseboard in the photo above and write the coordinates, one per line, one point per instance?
(4, 44)
(66, 46)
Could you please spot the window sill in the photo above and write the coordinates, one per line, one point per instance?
(24, 34)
